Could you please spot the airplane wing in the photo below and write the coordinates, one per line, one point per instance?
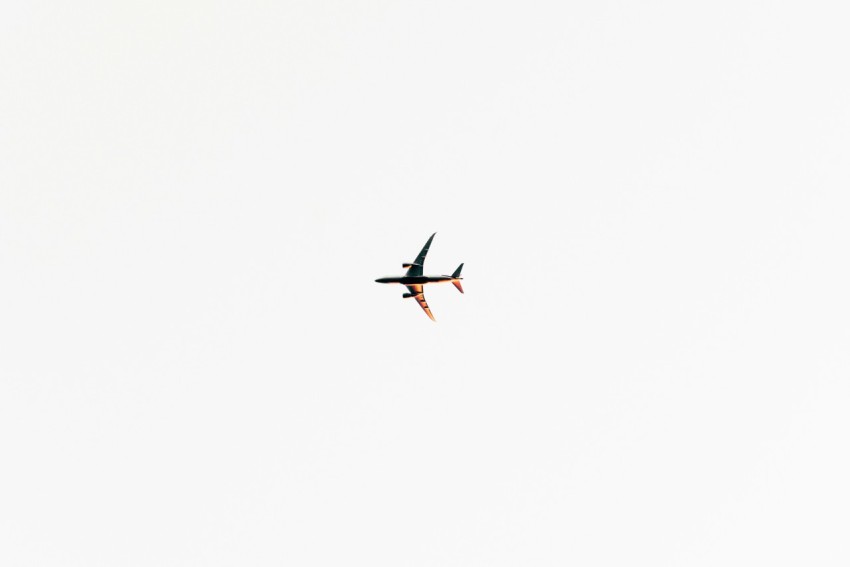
(416, 268)
(417, 292)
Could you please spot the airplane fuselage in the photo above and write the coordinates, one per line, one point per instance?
(416, 280)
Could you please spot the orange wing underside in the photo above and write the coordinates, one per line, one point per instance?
(419, 295)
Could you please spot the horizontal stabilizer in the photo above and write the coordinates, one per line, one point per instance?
(457, 285)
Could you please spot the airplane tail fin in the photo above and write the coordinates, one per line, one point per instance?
(457, 275)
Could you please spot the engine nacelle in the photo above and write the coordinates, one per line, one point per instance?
(409, 265)
(406, 295)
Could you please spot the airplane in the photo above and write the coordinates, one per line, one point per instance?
(415, 281)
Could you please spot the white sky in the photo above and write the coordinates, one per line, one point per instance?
(649, 366)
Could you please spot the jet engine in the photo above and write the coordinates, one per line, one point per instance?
(406, 295)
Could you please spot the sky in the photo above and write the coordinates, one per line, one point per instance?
(649, 365)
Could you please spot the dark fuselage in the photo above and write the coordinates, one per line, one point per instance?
(415, 280)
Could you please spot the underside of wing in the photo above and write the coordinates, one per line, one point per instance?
(415, 268)
(419, 295)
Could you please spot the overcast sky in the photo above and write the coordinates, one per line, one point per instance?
(650, 363)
